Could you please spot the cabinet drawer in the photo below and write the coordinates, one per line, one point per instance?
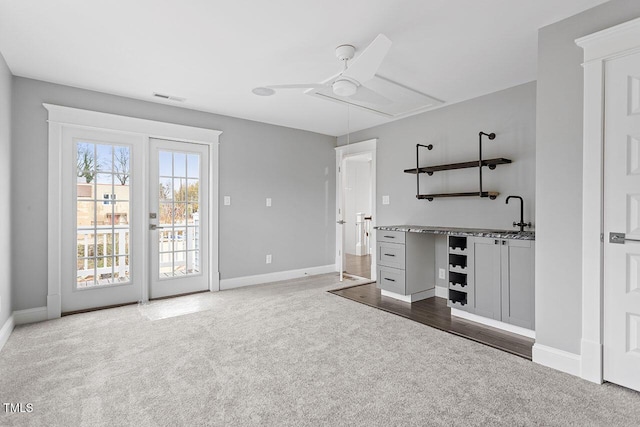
(391, 279)
(391, 255)
(390, 236)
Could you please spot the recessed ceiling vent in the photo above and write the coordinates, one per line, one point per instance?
(169, 97)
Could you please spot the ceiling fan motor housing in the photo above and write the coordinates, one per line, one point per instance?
(345, 52)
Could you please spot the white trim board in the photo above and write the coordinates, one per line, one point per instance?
(238, 282)
(6, 330)
(31, 315)
(598, 48)
(442, 292)
(493, 323)
(557, 359)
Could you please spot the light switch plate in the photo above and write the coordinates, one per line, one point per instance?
(268, 259)
(268, 201)
(442, 273)
(227, 200)
(385, 200)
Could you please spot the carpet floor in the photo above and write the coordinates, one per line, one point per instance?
(286, 353)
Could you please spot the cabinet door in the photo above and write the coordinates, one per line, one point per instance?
(487, 277)
(518, 283)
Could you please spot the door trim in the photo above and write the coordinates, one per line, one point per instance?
(59, 118)
(342, 152)
(600, 47)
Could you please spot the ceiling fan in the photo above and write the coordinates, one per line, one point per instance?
(351, 81)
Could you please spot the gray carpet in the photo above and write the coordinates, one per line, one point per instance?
(280, 354)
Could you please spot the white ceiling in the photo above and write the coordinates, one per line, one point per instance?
(214, 52)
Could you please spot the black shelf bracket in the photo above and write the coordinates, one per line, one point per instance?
(429, 170)
(491, 136)
(428, 147)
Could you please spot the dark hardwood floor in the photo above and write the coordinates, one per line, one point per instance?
(358, 265)
(435, 313)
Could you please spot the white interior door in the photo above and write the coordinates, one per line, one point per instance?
(622, 215)
(179, 218)
(101, 240)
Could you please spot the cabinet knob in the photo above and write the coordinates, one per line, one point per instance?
(495, 242)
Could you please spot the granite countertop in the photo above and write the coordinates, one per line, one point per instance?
(457, 231)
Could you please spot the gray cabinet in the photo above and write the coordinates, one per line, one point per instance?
(500, 280)
(486, 277)
(405, 262)
(518, 283)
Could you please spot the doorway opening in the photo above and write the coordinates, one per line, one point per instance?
(357, 213)
(355, 191)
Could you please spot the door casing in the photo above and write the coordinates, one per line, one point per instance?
(59, 118)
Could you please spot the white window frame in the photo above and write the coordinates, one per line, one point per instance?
(61, 117)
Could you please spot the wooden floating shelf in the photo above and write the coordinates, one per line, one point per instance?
(490, 194)
(491, 163)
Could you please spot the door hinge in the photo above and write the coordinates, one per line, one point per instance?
(602, 237)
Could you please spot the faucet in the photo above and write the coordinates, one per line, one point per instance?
(520, 224)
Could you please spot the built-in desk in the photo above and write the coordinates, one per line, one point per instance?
(490, 273)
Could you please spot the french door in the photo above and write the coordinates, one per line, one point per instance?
(135, 218)
(178, 218)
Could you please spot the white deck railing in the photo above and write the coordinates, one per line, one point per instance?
(117, 239)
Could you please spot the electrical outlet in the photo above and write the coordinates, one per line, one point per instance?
(385, 200)
(442, 273)
(227, 200)
(269, 259)
(268, 202)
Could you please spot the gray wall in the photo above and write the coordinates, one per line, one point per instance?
(453, 130)
(559, 172)
(5, 188)
(295, 168)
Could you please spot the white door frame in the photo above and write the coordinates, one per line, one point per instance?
(342, 152)
(600, 47)
(65, 117)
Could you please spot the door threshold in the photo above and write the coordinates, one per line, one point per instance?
(105, 307)
(178, 295)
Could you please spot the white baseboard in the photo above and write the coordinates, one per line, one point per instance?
(6, 330)
(493, 323)
(557, 359)
(31, 315)
(409, 298)
(442, 292)
(238, 282)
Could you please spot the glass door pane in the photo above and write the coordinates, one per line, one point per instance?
(102, 214)
(179, 215)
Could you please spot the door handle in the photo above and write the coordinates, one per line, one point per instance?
(156, 227)
(341, 222)
(620, 238)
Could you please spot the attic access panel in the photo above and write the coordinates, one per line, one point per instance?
(404, 101)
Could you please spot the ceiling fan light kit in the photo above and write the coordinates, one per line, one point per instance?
(344, 87)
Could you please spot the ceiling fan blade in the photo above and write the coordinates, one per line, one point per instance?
(365, 66)
(298, 86)
(369, 96)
